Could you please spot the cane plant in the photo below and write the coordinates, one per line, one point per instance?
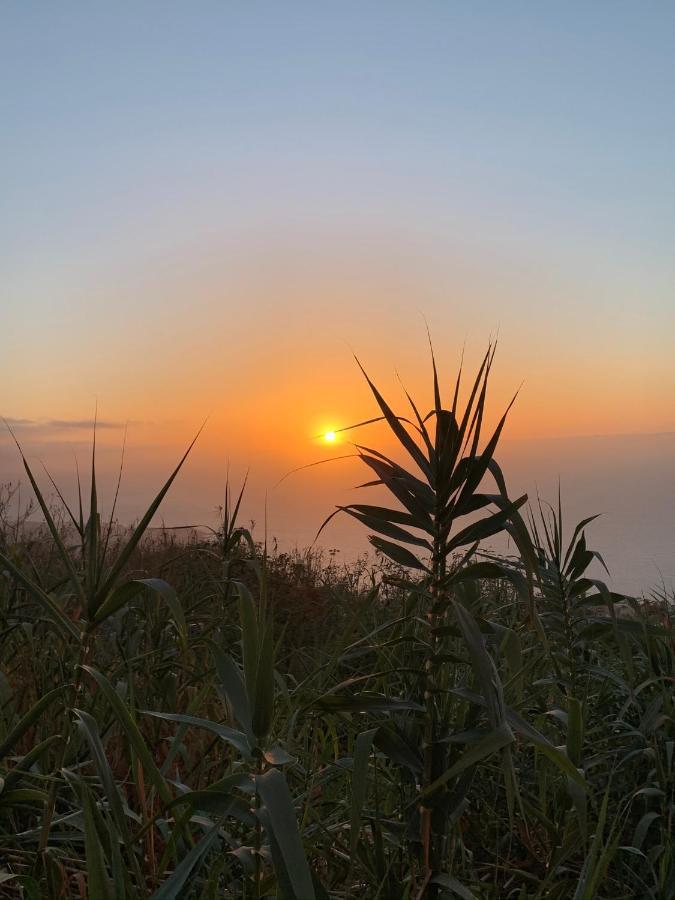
(585, 637)
(447, 722)
(90, 590)
(443, 512)
(255, 793)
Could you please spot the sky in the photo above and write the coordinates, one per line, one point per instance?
(207, 208)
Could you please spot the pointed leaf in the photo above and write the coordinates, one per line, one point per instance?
(399, 554)
(98, 882)
(185, 870)
(362, 748)
(67, 628)
(274, 793)
(236, 738)
(134, 736)
(142, 526)
(30, 719)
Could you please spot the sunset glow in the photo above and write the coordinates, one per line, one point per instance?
(337, 425)
(251, 202)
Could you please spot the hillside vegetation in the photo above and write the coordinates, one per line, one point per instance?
(205, 719)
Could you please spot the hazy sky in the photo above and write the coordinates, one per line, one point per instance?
(207, 206)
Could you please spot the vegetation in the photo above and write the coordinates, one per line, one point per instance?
(204, 719)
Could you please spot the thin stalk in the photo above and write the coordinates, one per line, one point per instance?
(430, 826)
(69, 730)
(258, 830)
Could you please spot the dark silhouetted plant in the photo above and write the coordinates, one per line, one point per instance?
(443, 512)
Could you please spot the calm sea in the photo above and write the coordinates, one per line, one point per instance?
(629, 480)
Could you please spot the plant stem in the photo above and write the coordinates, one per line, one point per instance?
(69, 729)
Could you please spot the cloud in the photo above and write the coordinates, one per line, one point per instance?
(14, 422)
(82, 423)
(63, 424)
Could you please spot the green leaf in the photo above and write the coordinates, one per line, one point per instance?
(277, 756)
(496, 740)
(218, 800)
(129, 726)
(168, 594)
(23, 765)
(415, 496)
(559, 759)
(387, 528)
(263, 705)
(233, 687)
(116, 599)
(92, 535)
(126, 592)
(399, 430)
(128, 549)
(67, 628)
(592, 869)
(30, 887)
(642, 828)
(98, 882)
(56, 537)
(90, 729)
(8, 799)
(274, 793)
(575, 730)
(364, 702)
(485, 527)
(236, 738)
(362, 748)
(577, 531)
(29, 719)
(453, 885)
(480, 466)
(483, 666)
(383, 514)
(121, 883)
(399, 554)
(175, 883)
(249, 638)
(393, 745)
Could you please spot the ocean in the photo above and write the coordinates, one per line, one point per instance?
(628, 479)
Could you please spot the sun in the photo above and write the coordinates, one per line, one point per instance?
(329, 436)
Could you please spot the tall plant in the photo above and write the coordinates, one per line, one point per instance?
(443, 512)
(94, 583)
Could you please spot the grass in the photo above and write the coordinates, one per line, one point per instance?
(209, 720)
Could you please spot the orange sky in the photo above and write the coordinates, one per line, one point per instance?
(263, 345)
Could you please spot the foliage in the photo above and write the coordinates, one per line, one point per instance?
(202, 719)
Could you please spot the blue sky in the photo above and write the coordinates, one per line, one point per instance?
(560, 113)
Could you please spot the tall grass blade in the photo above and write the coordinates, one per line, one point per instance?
(184, 871)
(275, 795)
